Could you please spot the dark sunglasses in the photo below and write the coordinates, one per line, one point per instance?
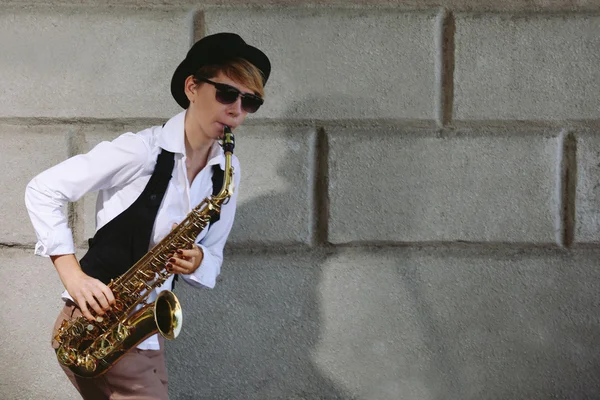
(227, 94)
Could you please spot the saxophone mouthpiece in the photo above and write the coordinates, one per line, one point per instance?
(228, 140)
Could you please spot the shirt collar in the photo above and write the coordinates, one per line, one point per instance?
(172, 138)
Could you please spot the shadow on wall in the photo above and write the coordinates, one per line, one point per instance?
(450, 324)
(506, 324)
(254, 336)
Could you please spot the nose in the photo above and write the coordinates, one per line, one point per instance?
(235, 108)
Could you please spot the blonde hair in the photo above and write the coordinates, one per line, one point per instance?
(239, 70)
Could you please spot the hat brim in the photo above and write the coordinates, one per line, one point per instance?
(188, 67)
(177, 84)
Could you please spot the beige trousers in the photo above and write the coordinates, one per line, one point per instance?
(139, 375)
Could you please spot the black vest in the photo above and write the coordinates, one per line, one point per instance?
(119, 244)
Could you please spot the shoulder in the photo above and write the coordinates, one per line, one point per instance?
(148, 137)
(137, 147)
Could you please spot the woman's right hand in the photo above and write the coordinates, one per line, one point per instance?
(86, 291)
(89, 293)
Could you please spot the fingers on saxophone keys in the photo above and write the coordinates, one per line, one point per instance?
(179, 266)
(108, 294)
(91, 304)
(172, 264)
(188, 254)
(81, 302)
(102, 301)
(98, 303)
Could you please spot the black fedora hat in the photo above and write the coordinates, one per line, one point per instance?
(213, 50)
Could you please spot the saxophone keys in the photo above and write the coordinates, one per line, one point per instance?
(103, 348)
(64, 325)
(77, 328)
(119, 306)
(87, 362)
(66, 357)
(120, 333)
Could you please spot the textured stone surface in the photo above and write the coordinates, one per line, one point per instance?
(587, 206)
(468, 323)
(90, 63)
(441, 321)
(527, 67)
(468, 5)
(31, 299)
(26, 151)
(493, 185)
(392, 324)
(276, 191)
(340, 63)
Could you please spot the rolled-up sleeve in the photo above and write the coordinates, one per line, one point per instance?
(213, 243)
(108, 164)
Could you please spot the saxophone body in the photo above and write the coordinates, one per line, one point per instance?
(90, 348)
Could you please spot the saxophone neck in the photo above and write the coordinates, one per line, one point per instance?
(228, 146)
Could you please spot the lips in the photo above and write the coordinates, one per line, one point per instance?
(224, 124)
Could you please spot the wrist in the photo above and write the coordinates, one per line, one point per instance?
(68, 268)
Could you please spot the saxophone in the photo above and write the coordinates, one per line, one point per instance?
(90, 348)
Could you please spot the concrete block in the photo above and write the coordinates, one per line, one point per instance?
(276, 191)
(392, 324)
(406, 185)
(455, 5)
(527, 67)
(275, 194)
(70, 62)
(332, 63)
(26, 151)
(587, 200)
(31, 292)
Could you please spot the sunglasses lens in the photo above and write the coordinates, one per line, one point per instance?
(251, 104)
(226, 96)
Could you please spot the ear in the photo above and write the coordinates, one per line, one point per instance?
(190, 87)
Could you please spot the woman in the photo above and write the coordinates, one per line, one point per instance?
(146, 183)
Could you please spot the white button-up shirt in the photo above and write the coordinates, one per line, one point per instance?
(119, 171)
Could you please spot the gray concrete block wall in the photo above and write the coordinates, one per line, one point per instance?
(30, 293)
(367, 323)
(277, 190)
(494, 186)
(89, 62)
(341, 63)
(587, 202)
(417, 213)
(527, 67)
(21, 160)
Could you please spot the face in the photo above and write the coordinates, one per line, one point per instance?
(205, 115)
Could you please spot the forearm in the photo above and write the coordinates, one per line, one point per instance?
(68, 268)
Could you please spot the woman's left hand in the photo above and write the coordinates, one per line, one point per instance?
(185, 261)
